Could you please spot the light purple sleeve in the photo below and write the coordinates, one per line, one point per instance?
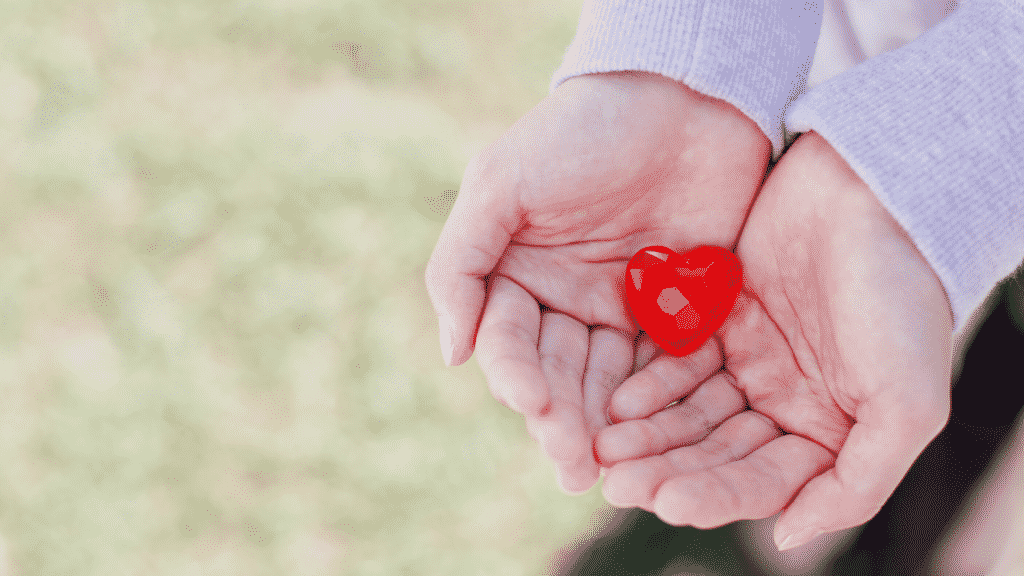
(754, 54)
(936, 129)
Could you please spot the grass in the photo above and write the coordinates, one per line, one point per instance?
(216, 351)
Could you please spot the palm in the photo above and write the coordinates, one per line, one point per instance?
(841, 340)
(638, 163)
(549, 213)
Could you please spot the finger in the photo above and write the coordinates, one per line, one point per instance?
(609, 361)
(472, 240)
(888, 436)
(562, 431)
(757, 486)
(684, 423)
(563, 437)
(507, 348)
(666, 379)
(636, 482)
(563, 355)
(646, 350)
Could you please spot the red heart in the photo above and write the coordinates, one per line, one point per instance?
(681, 299)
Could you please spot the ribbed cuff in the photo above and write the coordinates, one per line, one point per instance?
(936, 129)
(754, 54)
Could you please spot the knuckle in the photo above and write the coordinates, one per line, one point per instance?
(560, 364)
(699, 417)
(688, 423)
(720, 497)
(655, 436)
(716, 449)
(760, 424)
(517, 332)
(608, 378)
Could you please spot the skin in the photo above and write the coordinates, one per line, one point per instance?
(545, 221)
(823, 386)
(841, 344)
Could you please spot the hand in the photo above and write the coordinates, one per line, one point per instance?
(550, 213)
(841, 345)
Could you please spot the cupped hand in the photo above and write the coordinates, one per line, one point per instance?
(838, 356)
(547, 217)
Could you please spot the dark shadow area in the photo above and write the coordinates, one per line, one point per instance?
(898, 541)
(986, 400)
(643, 545)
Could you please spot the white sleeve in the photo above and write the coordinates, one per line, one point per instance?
(754, 54)
(936, 129)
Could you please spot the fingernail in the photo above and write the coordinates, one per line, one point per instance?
(799, 539)
(608, 415)
(447, 344)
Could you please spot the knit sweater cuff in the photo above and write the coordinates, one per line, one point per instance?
(753, 54)
(936, 129)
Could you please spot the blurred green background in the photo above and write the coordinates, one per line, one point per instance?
(217, 355)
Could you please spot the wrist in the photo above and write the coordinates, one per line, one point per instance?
(848, 211)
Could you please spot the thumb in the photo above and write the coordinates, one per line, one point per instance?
(878, 452)
(474, 237)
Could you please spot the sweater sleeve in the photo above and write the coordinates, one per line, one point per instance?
(753, 54)
(936, 129)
